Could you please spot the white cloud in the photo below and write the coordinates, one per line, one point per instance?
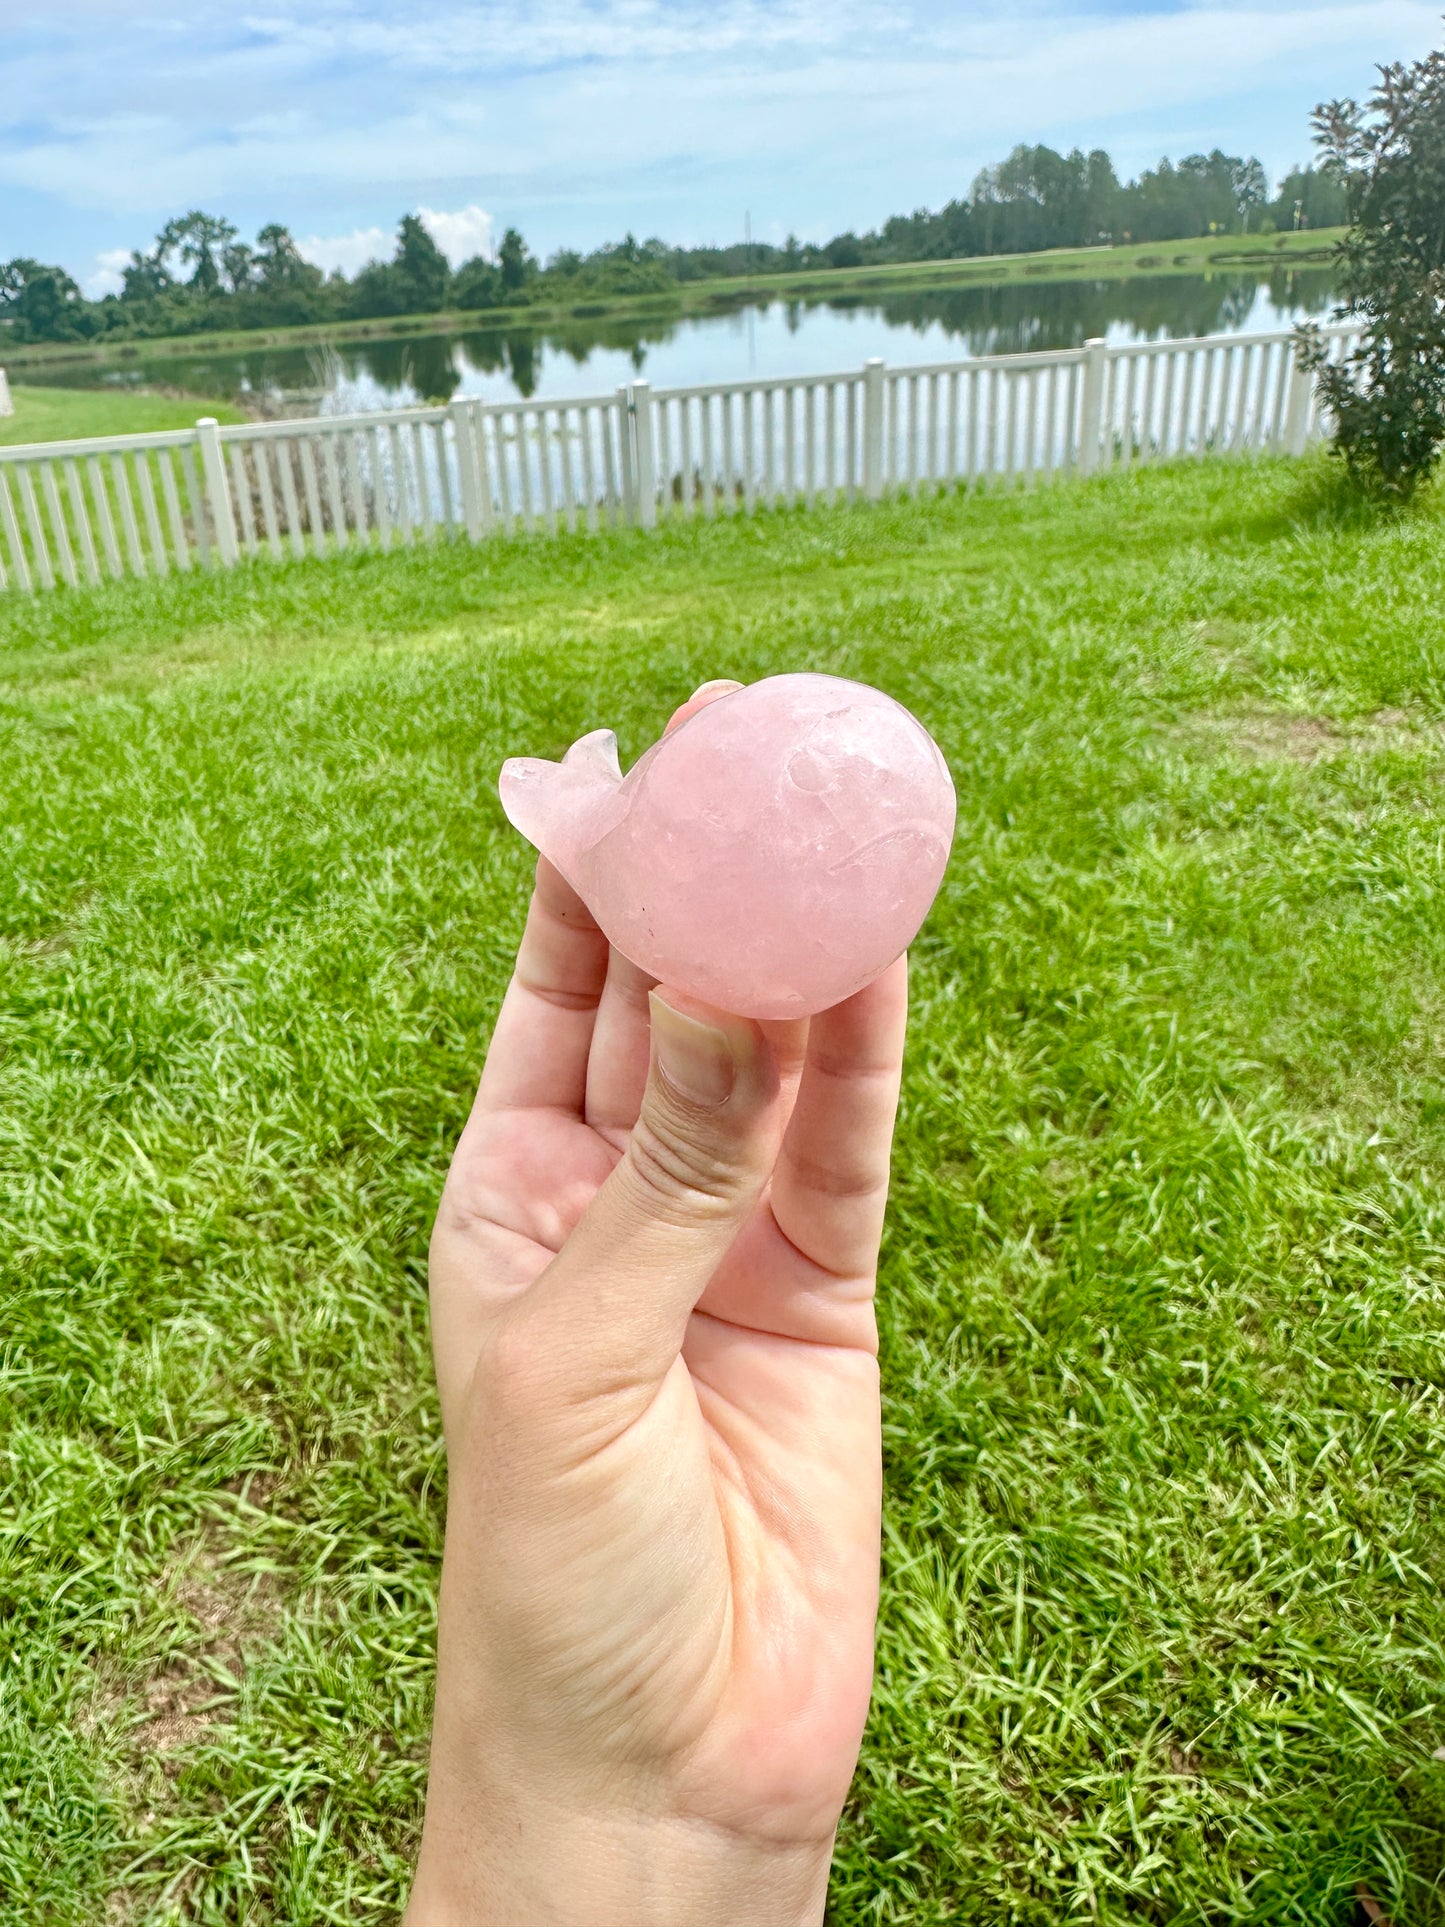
(512, 35)
(577, 119)
(106, 275)
(349, 251)
(461, 234)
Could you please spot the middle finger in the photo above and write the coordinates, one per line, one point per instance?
(617, 1066)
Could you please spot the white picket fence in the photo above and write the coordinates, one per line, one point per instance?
(74, 512)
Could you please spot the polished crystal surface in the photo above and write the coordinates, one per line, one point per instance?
(770, 856)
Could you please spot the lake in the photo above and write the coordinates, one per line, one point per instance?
(594, 356)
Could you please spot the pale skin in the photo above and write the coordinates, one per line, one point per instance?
(652, 1282)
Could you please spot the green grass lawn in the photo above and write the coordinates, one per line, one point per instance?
(69, 414)
(1163, 1301)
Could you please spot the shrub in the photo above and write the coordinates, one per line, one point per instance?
(1388, 396)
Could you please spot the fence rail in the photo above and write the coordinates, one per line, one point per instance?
(209, 497)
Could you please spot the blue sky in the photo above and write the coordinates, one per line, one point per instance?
(579, 119)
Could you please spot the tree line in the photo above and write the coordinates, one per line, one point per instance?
(200, 276)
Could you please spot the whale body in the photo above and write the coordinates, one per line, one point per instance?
(770, 857)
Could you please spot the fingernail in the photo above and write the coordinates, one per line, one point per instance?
(724, 686)
(695, 1058)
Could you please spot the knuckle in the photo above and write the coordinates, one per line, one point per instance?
(838, 1179)
(686, 1175)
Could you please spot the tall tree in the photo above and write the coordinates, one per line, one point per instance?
(199, 240)
(279, 261)
(42, 302)
(478, 283)
(144, 277)
(238, 266)
(421, 266)
(515, 261)
(1251, 189)
(1388, 398)
(1101, 197)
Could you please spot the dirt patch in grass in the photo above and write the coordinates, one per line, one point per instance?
(56, 943)
(229, 1611)
(1242, 650)
(1281, 736)
(220, 1615)
(223, 1614)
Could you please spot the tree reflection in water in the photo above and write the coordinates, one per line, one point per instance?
(1020, 319)
(1022, 316)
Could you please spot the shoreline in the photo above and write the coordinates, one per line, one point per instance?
(1153, 261)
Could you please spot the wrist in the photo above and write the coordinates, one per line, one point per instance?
(522, 1867)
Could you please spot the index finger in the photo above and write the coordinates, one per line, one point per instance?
(830, 1188)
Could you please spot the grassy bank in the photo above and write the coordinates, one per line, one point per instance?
(67, 414)
(1162, 1626)
(1215, 254)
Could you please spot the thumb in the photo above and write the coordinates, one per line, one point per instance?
(614, 1303)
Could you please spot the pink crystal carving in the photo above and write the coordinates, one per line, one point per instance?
(770, 856)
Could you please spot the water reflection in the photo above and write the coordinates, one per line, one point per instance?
(588, 355)
(1018, 318)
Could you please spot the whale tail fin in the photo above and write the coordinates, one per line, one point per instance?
(564, 808)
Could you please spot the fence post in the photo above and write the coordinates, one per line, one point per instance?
(7, 407)
(873, 405)
(1091, 423)
(626, 453)
(644, 430)
(218, 491)
(465, 436)
(1300, 409)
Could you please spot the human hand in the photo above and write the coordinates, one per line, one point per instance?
(652, 1300)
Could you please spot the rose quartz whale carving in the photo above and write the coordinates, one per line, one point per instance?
(771, 856)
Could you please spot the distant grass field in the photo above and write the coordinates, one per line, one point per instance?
(70, 414)
(1135, 260)
(1163, 1301)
